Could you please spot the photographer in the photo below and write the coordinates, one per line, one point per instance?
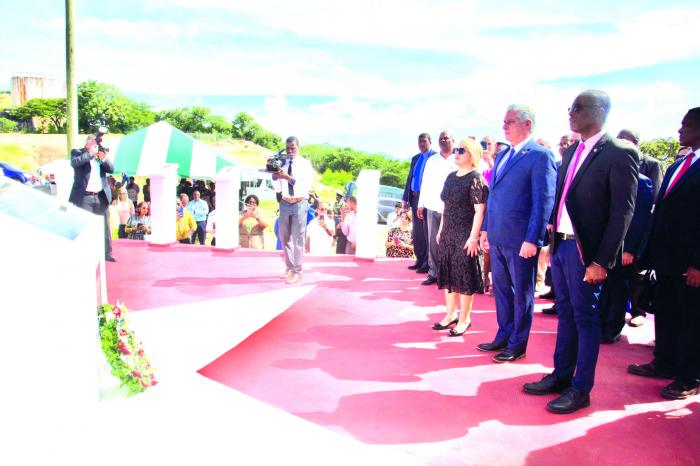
(139, 224)
(251, 224)
(91, 189)
(293, 182)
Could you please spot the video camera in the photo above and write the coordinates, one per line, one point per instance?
(276, 162)
(101, 131)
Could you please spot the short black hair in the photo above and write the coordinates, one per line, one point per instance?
(694, 114)
(425, 136)
(292, 139)
(252, 196)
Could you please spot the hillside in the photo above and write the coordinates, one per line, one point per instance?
(30, 151)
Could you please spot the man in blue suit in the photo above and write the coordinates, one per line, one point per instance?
(411, 195)
(521, 197)
(596, 191)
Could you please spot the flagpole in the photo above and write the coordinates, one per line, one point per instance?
(71, 86)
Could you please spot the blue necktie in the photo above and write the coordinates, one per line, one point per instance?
(505, 163)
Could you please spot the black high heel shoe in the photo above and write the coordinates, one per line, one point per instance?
(439, 326)
(457, 334)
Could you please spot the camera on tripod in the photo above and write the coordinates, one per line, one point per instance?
(276, 162)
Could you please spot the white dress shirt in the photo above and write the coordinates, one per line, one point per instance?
(434, 175)
(565, 225)
(94, 184)
(303, 175)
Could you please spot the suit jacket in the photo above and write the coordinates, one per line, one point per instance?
(408, 197)
(638, 231)
(80, 161)
(521, 197)
(675, 229)
(651, 168)
(601, 199)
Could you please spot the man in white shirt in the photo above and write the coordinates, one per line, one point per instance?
(348, 225)
(319, 232)
(430, 205)
(200, 210)
(393, 220)
(293, 181)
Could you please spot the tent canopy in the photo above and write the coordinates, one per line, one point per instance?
(145, 151)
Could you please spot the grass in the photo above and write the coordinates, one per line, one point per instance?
(19, 157)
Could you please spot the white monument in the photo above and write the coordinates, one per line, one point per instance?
(367, 198)
(53, 279)
(228, 185)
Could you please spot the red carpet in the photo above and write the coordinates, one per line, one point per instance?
(356, 354)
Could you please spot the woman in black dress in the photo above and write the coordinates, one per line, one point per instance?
(459, 273)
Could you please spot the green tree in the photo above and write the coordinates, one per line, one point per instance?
(7, 126)
(188, 119)
(103, 104)
(245, 127)
(218, 124)
(662, 149)
(53, 110)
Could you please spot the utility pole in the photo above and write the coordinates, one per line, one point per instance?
(71, 86)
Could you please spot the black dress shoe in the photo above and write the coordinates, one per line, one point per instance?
(570, 401)
(429, 281)
(678, 390)
(550, 311)
(493, 346)
(508, 356)
(548, 295)
(550, 383)
(607, 339)
(439, 326)
(413, 267)
(649, 370)
(110, 259)
(454, 333)
(423, 270)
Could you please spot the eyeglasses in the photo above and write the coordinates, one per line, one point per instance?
(251, 204)
(578, 107)
(459, 150)
(446, 139)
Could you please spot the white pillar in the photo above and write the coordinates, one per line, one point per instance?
(367, 198)
(228, 185)
(163, 197)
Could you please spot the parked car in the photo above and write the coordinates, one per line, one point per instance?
(385, 206)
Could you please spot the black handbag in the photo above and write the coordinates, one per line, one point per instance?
(642, 293)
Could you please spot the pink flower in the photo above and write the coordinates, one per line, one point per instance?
(122, 347)
(137, 374)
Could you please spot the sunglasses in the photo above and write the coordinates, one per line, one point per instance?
(459, 150)
(578, 107)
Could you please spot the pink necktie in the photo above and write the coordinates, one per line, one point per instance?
(684, 168)
(569, 177)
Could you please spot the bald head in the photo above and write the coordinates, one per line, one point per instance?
(629, 135)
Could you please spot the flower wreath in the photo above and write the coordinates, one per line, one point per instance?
(122, 350)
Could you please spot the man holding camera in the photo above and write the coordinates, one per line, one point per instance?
(293, 181)
(91, 189)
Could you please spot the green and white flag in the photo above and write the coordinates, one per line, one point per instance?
(144, 152)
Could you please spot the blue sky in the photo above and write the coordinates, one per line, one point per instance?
(375, 74)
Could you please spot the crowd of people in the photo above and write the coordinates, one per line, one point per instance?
(583, 227)
(593, 224)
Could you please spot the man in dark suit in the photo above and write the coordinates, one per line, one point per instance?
(521, 196)
(411, 195)
(596, 189)
(674, 253)
(648, 166)
(617, 289)
(91, 189)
